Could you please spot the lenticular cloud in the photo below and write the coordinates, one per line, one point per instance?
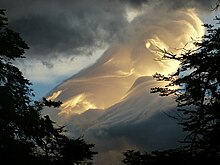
(109, 79)
(110, 101)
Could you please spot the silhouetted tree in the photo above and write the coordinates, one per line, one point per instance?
(25, 136)
(197, 89)
(172, 157)
(198, 94)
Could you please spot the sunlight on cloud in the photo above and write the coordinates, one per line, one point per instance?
(105, 83)
(80, 104)
(55, 95)
(113, 96)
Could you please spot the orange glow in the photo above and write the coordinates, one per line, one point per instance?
(54, 95)
(77, 104)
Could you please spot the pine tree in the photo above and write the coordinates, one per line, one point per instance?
(198, 94)
(26, 137)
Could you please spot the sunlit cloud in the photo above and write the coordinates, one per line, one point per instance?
(115, 91)
(107, 81)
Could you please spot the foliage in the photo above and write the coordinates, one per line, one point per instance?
(196, 86)
(25, 136)
(172, 157)
(155, 158)
(197, 94)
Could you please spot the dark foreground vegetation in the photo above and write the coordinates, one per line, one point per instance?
(198, 104)
(27, 137)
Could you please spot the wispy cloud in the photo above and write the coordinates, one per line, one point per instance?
(118, 86)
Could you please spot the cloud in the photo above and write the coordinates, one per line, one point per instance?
(138, 122)
(202, 5)
(126, 61)
(68, 27)
(119, 84)
(53, 71)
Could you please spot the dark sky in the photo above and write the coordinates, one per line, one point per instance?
(72, 27)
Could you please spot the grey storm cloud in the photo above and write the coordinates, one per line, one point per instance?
(70, 27)
(175, 4)
(66, 27)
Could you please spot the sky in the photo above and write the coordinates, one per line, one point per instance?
(97, 56)
(66, 36)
